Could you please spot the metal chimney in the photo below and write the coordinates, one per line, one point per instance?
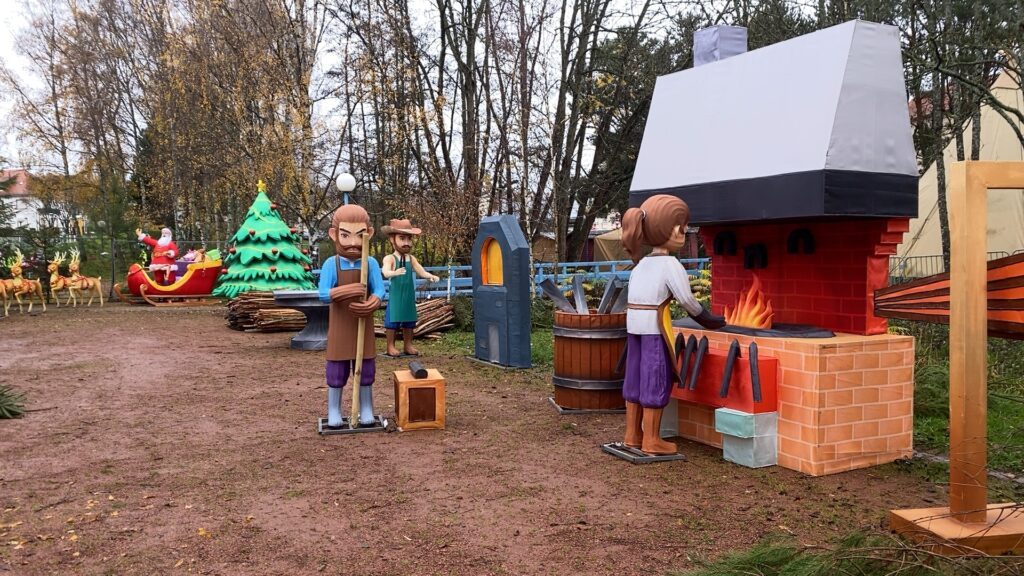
(718, 43)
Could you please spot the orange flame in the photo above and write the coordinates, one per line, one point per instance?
(752, 309)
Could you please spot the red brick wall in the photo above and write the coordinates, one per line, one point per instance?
(832, 288)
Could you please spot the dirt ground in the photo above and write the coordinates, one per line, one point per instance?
(162, 442)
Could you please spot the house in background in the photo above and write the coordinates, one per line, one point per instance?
(920, 254)
(26, 206)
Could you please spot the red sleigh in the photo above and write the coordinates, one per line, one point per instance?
(191, 289)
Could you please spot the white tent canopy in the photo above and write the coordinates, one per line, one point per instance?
(820, 122)
(1005, 207)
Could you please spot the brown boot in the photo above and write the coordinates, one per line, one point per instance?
(634, 433)
(652, 443)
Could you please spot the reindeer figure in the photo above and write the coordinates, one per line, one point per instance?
(3, 295)
(17, 286)
(58, 282)
(84, 284)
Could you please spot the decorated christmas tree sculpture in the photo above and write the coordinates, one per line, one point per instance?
(265, 255)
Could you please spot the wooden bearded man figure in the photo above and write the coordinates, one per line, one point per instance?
(340, 286)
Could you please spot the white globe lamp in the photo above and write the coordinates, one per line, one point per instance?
(346, 183)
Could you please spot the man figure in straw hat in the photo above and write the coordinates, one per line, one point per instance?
(401, 311)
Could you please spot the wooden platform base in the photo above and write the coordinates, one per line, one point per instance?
(1003, 533)
(620, 450)
(379, 425)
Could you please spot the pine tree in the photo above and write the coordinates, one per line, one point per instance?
(265, 255)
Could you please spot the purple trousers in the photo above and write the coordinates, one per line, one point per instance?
(648, 379)
(339, 370)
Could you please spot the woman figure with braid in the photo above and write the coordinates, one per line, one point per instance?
(660, 222)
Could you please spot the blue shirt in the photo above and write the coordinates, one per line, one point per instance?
(329, 276)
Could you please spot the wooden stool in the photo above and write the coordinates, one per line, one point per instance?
(419, 402)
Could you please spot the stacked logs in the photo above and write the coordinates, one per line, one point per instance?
(432, 315)
(257, 311)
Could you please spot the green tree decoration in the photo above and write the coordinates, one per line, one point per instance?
(265, 255)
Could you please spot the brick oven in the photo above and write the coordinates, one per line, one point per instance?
(798, 166)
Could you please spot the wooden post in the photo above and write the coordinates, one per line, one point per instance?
(969, 520)
(968, 337)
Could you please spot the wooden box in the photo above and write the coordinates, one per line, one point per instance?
(419, 402)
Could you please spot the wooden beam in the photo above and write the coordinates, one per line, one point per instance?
(999, 175)
(969, 521)
(968, 334)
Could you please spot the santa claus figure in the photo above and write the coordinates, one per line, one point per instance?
(165, 251)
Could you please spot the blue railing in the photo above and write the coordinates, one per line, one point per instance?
(458, 280)
(907, 268)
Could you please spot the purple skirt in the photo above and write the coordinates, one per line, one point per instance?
(648, 379)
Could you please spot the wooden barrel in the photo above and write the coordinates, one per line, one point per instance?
(587, 352)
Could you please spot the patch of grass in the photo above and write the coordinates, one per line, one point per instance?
(864, 555)
(12, 404)
(542, 348)
(459, 343)
(454, 342)
(931, 420)
(294, 493)
(931, 395)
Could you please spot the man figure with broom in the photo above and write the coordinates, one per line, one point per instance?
(340, 286)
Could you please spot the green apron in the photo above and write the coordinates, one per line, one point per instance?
(402, 295)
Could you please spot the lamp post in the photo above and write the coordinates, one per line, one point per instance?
(346, 183)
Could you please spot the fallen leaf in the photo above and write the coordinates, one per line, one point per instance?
(250, 518)
(20, 545)
(114, 513)
(204, 533)
(179, 563)
(73, 537)
(91, 504)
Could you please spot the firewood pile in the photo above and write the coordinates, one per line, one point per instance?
(257, 311)
(432, 315)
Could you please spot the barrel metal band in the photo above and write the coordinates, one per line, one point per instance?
(611, 334)
(586, 384)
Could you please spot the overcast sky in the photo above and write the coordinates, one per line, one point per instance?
(11, 23)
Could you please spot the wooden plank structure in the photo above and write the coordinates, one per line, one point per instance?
(588, 349)
(419, 402)
(927, 299)
(968, 521)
